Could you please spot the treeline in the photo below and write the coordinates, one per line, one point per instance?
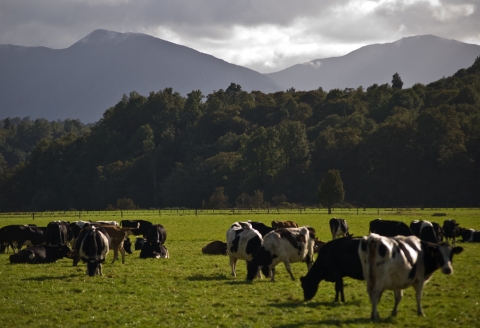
(392, 146)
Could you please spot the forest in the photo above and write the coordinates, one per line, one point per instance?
(392, 146)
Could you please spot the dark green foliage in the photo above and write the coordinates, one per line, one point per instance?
(394, 147)
(330, 191)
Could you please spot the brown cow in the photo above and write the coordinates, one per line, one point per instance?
(117, 238)
(216, 247)
(283, 224)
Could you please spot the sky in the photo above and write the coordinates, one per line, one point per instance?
(264, 35)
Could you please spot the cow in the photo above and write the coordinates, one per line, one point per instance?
(451, 230)
(74, 230)
(154, 243)
(424, 230)
(114, 223)
(339, 228)
(92, 246)
(283, 224)
(16, 236)
(438, 231)
(139, 243)
(395, 263)
(338, 258)
(119, 241)
(287, 245)
(261, 227)
(140, 227)
(216, 247)
(242, 243)
(470, 235)
(57, 233)
(318, 245)
(390, 228)
(40, 254)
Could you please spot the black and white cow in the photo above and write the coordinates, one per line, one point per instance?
(336, 259)
(243, 242)
(139, 243)
(261, 227)
(92, 246)
(40, 254)
(390, 228)
(451, 229)
(438, 231)
(139, 227)
(424, 230)
(395, 263)
(154, 247)
(470, 235)
(16, 236)
(286, 245)
(57, 233)
(339, 228)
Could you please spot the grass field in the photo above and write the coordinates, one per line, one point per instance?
(196, 290)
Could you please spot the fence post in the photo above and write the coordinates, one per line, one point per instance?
(33, 216)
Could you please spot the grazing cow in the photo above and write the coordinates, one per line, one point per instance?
(92, 248)
(287, 245)
(399, 262)
(261, 227)
(154, 243)
(283, 224)
(57, 233)
(390, 228)
(336, 259)
(339, 228)
(118, 236)
(140, 227)
(216, 247)
(40, 254)
(242, 243)
(470, 235)
(451, 230)
(424, 230)
(139, 243)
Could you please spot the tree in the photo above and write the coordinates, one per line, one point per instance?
(218, 200)
(397, 81)
(330, 191)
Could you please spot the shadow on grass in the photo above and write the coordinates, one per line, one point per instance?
(311, 304)
(207, 278)
(45, 278)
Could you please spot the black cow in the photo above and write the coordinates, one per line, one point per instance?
(261, 227)
(139, 243)
(154, 243)
(216, 247)
(424, 230)
(139, 227)
(451, 229)
(16, 236)
(336, 259)
(390, 228)
(339, 228)
(40, 254)
(92, 247)
(57, 233)
(470, 235)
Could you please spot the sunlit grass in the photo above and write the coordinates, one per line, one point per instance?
(192, 289)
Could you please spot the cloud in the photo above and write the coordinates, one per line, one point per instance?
(265, 35)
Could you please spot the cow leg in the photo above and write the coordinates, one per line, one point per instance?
(122, 251)
(115, 255)
(398, 293)
(272, 274)
(233, 264)
(339, 289)
(419, 291)
(289, 269)
(100, 272)
(375, 296)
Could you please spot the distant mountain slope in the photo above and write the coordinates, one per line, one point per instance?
(417, 59)
(84, 80)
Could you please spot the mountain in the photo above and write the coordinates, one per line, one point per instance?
(417, 59)
(90, 76)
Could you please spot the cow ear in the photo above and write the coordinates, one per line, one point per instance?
(457, 250)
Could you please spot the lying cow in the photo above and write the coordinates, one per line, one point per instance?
(139, 243)
(216, 247)
(470, 235)
(396, 263)
(424, 230)
(91, 247)
(339, 228)
(40, 254)
(242, 243)
(287, 245)
(283, 224)
(336, 259)
(139, 227)
(154, 247)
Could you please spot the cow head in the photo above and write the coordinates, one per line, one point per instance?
(309, 288)
(262, 259)
(94, 267)
(127, 245)
(443, 255)
(63, 251)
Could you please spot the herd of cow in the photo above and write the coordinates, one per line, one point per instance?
(393, 256)
(84, 241)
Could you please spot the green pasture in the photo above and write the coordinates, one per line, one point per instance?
(196, 290)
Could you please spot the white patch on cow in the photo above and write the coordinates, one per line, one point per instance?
(244, 237)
